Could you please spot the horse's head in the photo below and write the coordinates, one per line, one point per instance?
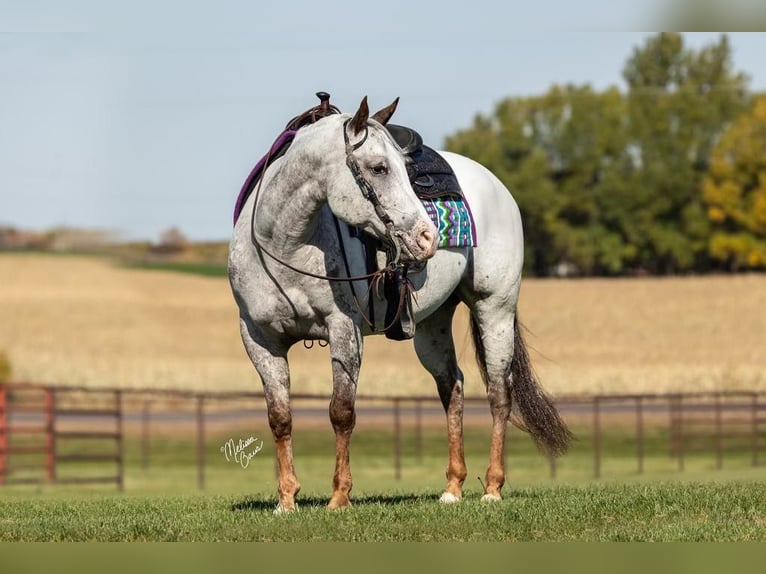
(374, 191)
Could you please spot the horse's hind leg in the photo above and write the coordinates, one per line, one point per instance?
(436, 351)
(271, 364)
(492, 325)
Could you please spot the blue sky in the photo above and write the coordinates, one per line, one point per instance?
(149, 115)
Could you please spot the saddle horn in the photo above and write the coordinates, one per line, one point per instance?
(310, 116)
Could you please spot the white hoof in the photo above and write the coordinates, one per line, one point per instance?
(448, 498)
(282, 510)
(491, 498)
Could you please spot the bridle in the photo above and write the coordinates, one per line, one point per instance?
(374, 278)
(369, 194)
(394, 251)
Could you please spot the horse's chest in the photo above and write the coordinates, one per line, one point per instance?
(291, 310)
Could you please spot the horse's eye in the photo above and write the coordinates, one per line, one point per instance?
(379, 169)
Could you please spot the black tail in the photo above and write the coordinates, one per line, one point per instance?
(538, 414)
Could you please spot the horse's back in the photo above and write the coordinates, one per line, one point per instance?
(499, 255)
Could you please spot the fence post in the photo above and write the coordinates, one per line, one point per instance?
(418, 430)
(640, 433)
(50, 433)
(120, 442)
(676, 447)
(596, 438)
(718, 432)
(3, 431)
(397, 441)
(200, 442)
(754, 428)
(145, 436)
(681, 441)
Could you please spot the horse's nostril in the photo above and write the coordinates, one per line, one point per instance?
(426, 240)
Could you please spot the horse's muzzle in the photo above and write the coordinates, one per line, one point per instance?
(426, 240)
(420, 243)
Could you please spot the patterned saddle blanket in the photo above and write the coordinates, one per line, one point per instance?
(452, 217)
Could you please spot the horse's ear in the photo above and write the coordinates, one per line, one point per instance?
(382, 116)
(359, 121)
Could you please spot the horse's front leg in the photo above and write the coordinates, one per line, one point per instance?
(346, 352)
(271, 363)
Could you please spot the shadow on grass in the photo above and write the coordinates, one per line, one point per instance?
(254, 504)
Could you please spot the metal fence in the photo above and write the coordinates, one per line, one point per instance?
(37, 423)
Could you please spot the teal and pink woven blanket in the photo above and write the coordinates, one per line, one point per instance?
(452, 217)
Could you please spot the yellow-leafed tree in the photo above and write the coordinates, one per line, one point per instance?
(5, 368)
(734, 192)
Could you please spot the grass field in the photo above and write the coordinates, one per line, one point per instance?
(84, 320)
(649, 512)
(162, 502)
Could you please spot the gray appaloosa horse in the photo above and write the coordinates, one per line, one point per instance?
(286, 244)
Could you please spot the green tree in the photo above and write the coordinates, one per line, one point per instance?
(610, 182)
(504, 144)
(734, 192)
(679, 102)
(555, 154)
(584, 136)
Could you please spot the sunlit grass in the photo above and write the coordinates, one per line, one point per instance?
(163, 501)
(647, 512)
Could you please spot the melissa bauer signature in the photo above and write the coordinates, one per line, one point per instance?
(241, 451)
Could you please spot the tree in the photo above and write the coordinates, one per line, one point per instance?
(610, 182)
(679, 102)
(5, 368)
(555, 154)
(504, 144)
(734, 192)
(171, 241)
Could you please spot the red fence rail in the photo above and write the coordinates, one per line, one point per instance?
(38, 438)
(714, 423)
(35, 450)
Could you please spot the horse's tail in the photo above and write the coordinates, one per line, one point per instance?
(538, 414)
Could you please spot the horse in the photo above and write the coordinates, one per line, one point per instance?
(297, 275)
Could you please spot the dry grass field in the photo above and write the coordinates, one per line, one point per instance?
(87, 321)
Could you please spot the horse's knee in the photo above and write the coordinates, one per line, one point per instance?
(342, 415)
(281, 424)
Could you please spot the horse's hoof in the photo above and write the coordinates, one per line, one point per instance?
(491, 498)
(282, 510)
(339, 505)
(449, 498)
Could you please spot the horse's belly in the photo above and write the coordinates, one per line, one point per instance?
(439, 280)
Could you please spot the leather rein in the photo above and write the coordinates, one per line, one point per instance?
(367, 192)
(394, 252)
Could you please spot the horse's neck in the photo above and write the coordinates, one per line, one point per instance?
(290, 204)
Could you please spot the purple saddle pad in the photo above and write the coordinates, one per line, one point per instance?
(281, 144)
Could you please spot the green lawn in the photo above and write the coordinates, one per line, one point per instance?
(162, 502)
(618, 512)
